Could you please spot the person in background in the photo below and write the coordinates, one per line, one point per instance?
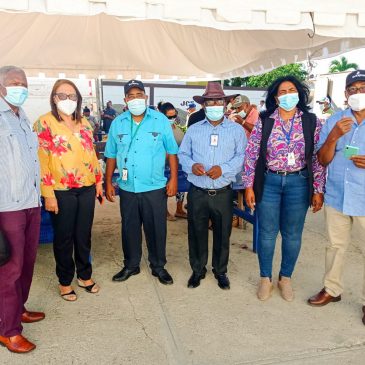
(138, 143)
(92, 121)
(211, 153)
(283, 177)
(245, 113)
(262, 106)
(342, 150)
(325, 105)
(190, 109)
(171, 114)
(108, 115)
(20, 212)
(71, 179)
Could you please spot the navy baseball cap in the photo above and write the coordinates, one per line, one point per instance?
(358, 75)
(133, 83)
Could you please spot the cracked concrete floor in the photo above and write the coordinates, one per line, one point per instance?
(143, 322)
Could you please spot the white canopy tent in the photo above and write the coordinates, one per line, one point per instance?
(174, 39)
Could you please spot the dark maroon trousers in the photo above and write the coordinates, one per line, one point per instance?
(21, 228)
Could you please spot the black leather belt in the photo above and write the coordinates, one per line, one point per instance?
(284, 173)
(213, 192)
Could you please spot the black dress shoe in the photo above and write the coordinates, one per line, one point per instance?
(163, 276)
(126, 274)
(194, 280)
(223, 281)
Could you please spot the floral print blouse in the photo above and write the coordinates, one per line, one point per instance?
(278, 149)
(68, 160)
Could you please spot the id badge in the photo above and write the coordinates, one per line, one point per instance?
(291, 159)
(124, 174)
(214, 140)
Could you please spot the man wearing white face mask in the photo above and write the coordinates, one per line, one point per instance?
(342, 149)
(19, 209)
(138, 142)
(211, 153)
(246, 114)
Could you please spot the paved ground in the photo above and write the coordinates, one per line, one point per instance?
(143, 322)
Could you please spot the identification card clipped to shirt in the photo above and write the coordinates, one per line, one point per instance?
(124, 174)
(214, 140)
(291, 159)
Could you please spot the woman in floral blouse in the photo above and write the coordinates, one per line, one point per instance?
(71, 178)
(283, 177)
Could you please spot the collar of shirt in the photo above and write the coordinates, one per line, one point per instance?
(276, 115)
(223, 123)
(4, 106)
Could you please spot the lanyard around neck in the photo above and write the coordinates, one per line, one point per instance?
(287, 134)
(133, 135)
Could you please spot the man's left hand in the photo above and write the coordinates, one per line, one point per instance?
(317, 202)
(359, 161)
(215, 172)
(171, 187)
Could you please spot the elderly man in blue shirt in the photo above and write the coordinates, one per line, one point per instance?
(20, 212)
(211, 153)
(342, 149)
(138, 142)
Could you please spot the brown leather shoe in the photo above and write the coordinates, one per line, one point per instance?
(18, 344)
(30, 317)
(322, 298)
(363, 312)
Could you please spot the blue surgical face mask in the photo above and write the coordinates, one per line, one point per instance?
(137, 106)
(288, 101)
(242, 114)
(214, 113)
(16, 95)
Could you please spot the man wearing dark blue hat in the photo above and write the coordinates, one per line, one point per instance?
(138, 142)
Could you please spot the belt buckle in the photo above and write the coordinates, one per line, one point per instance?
(282, 173)
(212, 192)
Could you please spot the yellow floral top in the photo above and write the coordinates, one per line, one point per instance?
(67, 159)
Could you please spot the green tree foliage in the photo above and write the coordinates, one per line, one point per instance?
(264, 80)
(342, 65)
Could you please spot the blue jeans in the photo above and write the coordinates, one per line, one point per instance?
(283, 208)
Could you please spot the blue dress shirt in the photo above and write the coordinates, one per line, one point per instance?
(144, 155)
(19, 166)
(197, 147)
(345, 186)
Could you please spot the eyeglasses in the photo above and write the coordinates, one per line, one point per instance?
(353, 90)
(213, 102)
(172, 116)
(63, 96)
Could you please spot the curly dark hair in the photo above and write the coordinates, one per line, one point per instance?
(272, 91)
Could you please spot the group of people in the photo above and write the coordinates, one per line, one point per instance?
(289, 161)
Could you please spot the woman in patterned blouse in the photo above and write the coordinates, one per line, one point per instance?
(71, 178)
(283, 178)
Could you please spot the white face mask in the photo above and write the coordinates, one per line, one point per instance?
(67, 106)
(242, 114)
(357, 102)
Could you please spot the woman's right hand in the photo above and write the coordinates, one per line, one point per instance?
(51, 205)
(250, 198)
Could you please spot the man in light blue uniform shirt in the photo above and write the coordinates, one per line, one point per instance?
(20, 212)
(212, 154)
(342, 149)
(138, 143)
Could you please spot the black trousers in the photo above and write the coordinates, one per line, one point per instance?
(72, 233)
(219, 209)
(147, 209)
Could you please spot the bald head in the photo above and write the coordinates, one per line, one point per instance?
(13, 86)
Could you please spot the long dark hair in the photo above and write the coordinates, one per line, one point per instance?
(77, 113)
(164, 107)
(272, 91)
